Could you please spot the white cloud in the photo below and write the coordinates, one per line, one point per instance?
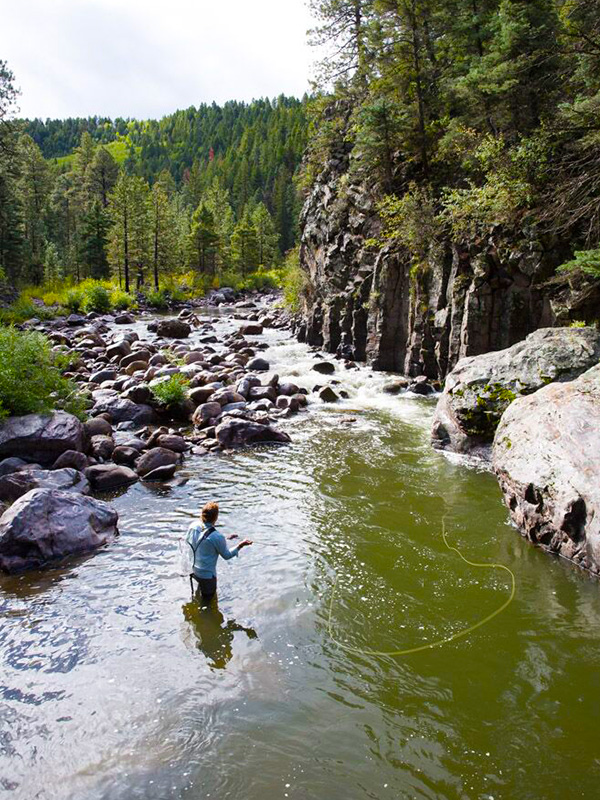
(146, 58)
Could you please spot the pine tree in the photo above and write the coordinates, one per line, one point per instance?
(34, 190)
(94, 241)
(163, 232)
(203, 241)
(244, 245)
(52, 268)
(266, 236)
(101, 175)
(129, 239)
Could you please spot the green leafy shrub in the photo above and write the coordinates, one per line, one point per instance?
(171, 392)
(30, 376)
(121, 300)
(96, 298)
(578, 323)
(73, 300)
(158, 299)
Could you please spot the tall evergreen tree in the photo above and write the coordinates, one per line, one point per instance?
(129, 239)
(203, 241)
(244, 245)
(94, 241)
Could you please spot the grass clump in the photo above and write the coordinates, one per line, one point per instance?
(172, 392)
(30, 377)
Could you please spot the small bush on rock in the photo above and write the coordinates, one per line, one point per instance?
(30, 377)
(172, 392)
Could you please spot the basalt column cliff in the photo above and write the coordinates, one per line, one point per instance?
(365, 300)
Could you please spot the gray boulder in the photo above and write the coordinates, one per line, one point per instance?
(122, 410)
(173, 442)
(160, 474)
(72, 459)
(259, 365)
(173, 329)
(251, 329)
(9, 465)
(46, 524)
(240, 432)
(546, 456)
(108, 477)
(41, 438)
(327, 395)
(324, 367)
(480, 388)
(155, 458)
(19, 483)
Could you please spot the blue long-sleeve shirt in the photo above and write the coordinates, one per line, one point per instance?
(208, 550)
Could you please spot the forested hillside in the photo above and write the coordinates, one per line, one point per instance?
(459, 157)
(207, 191)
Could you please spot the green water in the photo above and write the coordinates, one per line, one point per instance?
(115, 686)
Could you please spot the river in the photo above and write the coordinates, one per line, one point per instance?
(115, 686)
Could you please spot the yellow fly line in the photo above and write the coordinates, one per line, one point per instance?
(439, 642)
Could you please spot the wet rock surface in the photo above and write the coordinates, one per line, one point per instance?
(480, 389)
(546, 456)
(41, 438)
(45, 524)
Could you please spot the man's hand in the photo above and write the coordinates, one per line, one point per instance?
(245, 543)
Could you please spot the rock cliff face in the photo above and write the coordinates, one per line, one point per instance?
(367, 304)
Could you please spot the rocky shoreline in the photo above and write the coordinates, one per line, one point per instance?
(131, 434)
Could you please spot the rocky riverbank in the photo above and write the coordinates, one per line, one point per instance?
(229, 399)
(533, 412)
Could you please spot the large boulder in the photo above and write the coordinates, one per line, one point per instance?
(547, 458)
(122, 410)
(240, 432)
(480, 388)
(46, 524)
(155, 458)
(173, 329)
(108, 477)
(19, 483)
(41, 438)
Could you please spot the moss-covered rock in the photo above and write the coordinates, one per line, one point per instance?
(480, 389)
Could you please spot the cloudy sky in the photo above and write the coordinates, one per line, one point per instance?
(146, 58)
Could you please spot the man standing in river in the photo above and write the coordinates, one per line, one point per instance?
(207, 545)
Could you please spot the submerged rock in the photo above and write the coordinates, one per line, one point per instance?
(240, 432)
(46, 524)
(481, 388)
(41, 438)
(547, 458)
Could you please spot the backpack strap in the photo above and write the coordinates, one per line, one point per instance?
(210, 529)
